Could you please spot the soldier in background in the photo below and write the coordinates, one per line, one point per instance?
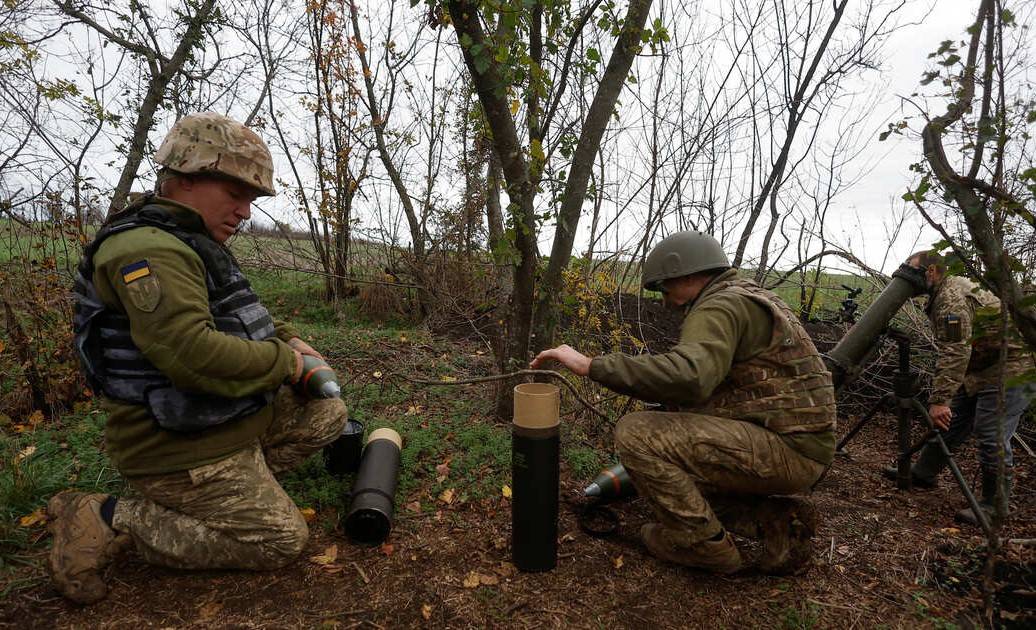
(193, 371)
(966, 322)
(756, 415)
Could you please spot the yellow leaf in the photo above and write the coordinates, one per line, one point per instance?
(25, 453)
(403, 338)
(515, 104)
(328, 557)
(449, 379)
(426, 611)
(35, 418)
(37, 517)
(309, 514)
(949, 531)
(413, 410)
(618, 562)
(377, 374)
(506, 491)
(447, 496)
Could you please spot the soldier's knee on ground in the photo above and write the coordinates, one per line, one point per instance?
(284, 546)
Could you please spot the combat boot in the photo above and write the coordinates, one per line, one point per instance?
(786, 528)
(988, 501)
(718, 556)
(83, 545)
(925, 471)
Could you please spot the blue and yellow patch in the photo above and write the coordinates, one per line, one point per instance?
(135, 271)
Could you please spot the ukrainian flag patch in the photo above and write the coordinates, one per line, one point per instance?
(135, 271)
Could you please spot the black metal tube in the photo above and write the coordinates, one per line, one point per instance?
(535, 472)
(342, 456)
(369, 519)
(848, 358)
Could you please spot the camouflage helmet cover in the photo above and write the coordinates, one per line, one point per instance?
(682, 254)
(212, 143)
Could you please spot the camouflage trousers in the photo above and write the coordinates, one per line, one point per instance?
(700, 473)
(232, 514)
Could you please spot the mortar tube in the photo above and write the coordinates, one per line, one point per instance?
(535, 450)
(852, 353)
(369, 519)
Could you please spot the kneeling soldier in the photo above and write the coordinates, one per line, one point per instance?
(193, 370)
(756, 415)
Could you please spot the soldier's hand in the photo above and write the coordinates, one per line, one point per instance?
(298, 367)
(567, 356)
(940, 415)
(302, 347)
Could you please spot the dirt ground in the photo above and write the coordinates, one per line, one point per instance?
(883, 558)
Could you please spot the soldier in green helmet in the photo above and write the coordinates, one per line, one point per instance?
(193, 374)
(755, 419)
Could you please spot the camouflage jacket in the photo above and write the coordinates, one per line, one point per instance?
(966, 322)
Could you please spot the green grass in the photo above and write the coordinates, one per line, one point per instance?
(67, 454)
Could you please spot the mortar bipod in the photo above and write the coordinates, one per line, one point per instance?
(904, 394)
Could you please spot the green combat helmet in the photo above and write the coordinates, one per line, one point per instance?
(212, 143)
(682, 254)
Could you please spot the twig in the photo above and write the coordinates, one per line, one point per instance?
(510, 375)
(1027, 448)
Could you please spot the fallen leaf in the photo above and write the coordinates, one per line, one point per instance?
(443, 469)
(506, 491)
(413, 410)
(37, 517)
(210, 610)
(949, 531)
(20, 428)
(35, 418)
(568, 537)
(388, 549)
(618, 562)
(2, 346)
(377, 374)
(447, 496)
(25, 453)
(413, 506)
(479, 352)
(488, 580)
(426, 611)
(449, 379)
(403, 338)
(328, 557)
(309, 514)
(505, 569)
(475, 579)
(843, 550)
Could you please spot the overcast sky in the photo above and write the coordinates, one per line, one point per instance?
(866, 209)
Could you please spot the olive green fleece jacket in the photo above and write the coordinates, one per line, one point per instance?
(180, 339)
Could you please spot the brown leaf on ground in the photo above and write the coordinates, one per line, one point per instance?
(413, 506)
(388, 549)
(426, 611)
(618, 562)
(209, 610)
(447, 496)
(328, 557)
